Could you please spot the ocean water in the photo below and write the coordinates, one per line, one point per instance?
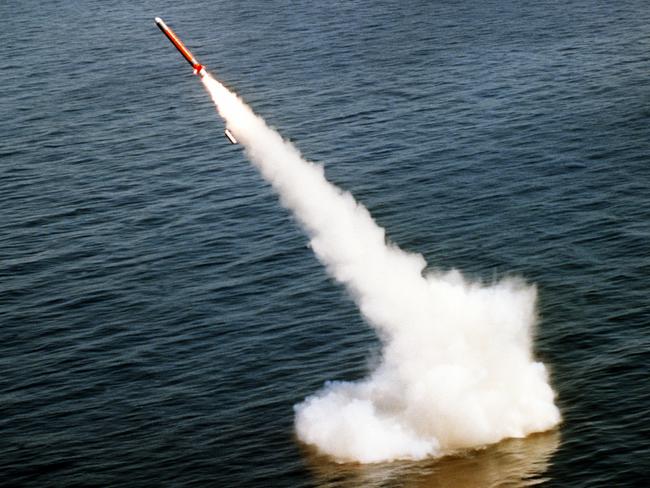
(161, 313)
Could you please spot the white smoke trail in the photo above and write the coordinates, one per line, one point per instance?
(457, 369)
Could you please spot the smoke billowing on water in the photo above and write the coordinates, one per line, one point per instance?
(457, 368)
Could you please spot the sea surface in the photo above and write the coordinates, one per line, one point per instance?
(161, 312)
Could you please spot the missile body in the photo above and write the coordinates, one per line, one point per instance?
(198, 67)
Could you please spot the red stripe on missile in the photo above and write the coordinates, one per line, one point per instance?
(198, 68)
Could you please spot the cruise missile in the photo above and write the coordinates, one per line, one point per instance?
(198, 67)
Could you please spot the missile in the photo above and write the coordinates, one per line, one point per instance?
(198, 67)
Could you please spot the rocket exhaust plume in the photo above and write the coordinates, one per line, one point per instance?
(457, 368)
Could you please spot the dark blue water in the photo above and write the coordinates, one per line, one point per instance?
(160, 312)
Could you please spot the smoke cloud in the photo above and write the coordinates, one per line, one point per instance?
(456, 370)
